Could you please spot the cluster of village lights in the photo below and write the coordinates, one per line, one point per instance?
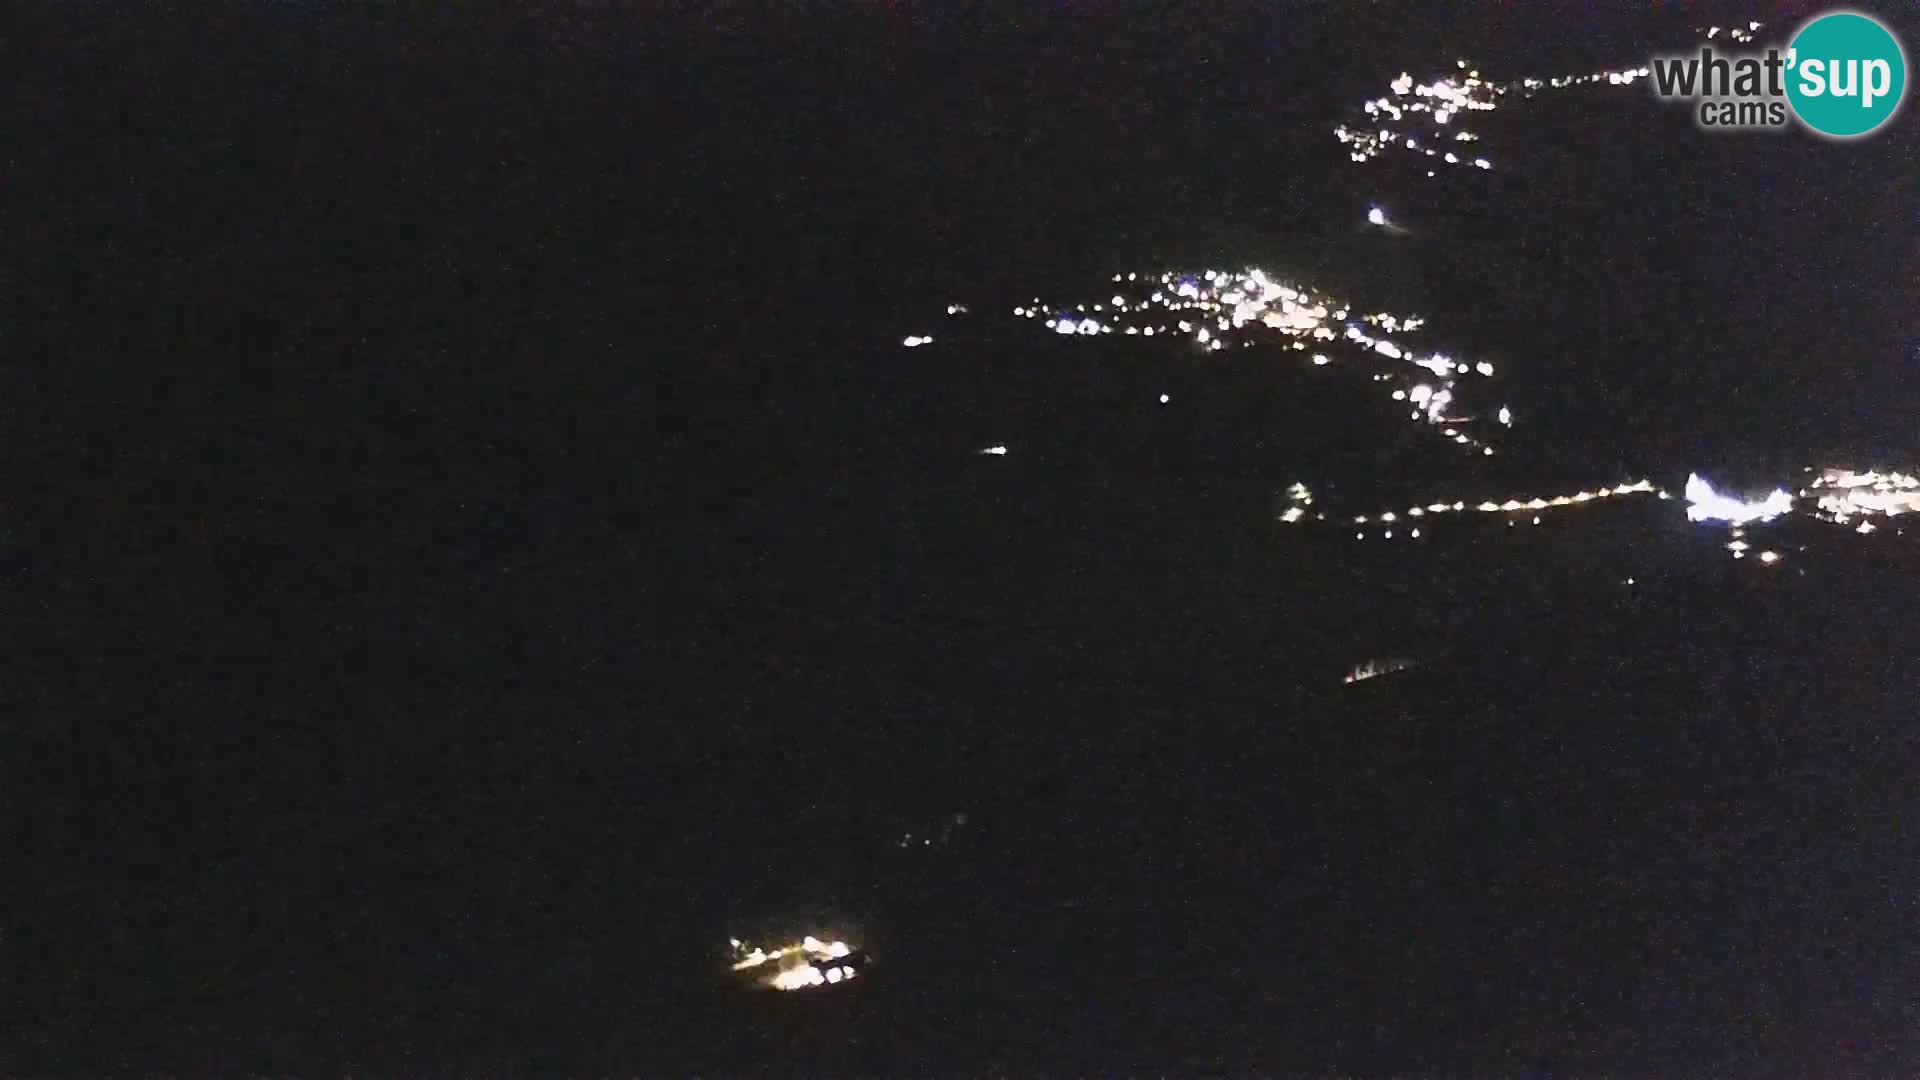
(1218, 310)
(1427, 119)
(801, 965)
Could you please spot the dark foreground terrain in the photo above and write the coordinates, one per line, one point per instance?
(478, 547)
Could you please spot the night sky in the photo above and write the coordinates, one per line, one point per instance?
(473, 543)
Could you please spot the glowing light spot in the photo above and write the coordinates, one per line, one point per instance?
(797, 978)
(799, 964)
(1376, 216)
(1706, 504)
(1374, 669)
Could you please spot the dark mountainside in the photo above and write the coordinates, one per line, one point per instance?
(477, 545)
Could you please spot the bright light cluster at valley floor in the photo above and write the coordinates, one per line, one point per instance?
(800, 965)
(1429, 120)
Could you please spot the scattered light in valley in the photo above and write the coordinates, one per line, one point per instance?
(1840, 495)
(1218, 310)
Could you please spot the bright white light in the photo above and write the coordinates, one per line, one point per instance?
(797, 963)
(996, 451)
(1376, 216)
(797, 978)
(1506, 416)
(1769, 557)
(1320, 360)
(916, 341)
(1706, 504)
(1164, 399)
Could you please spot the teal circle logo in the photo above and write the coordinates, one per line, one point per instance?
(1846, 74)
